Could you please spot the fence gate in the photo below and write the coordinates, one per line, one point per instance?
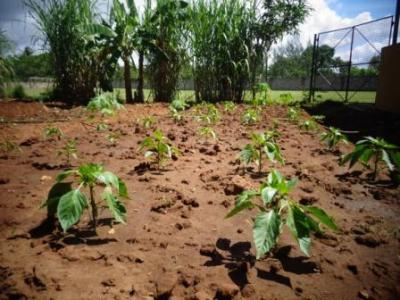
(346, 60)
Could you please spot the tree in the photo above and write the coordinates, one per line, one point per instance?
(167, 22)
(278, 17)
(6, 70)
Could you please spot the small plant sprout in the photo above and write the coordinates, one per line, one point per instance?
(308, 125)
(158, 148)
(275, 124)
(293, 115)
(179, 104)
(377, 150)
(105, 103)
(208, 114)
(68, 150)
(208, 133)
(264, 91)
(176, 115)
(229, 107)
(251, 116)
(148, 122)
(69, 203)
(276, 209)
(261, 143)
(286, 98)
(113, 138)
(7, 147)
(52, 131)
(332, 137)
(101, 127)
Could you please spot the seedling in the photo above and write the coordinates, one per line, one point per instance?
(265, 94)
(229, 107)
(275, 124)
(106, 103)
(308, 125)
(50, 132)
(101, 127)
(276, 209)
(177, 116)
(69, 203)
(158, 148)
(8, 147)
(262, 143)
(113, 138)
(207, 133)
(286, 98)
(377, 150)
(293, 115)
(208, 114)
(179, 104)
(69, 150)
(332, 137)
(251, 116)
(148, 122)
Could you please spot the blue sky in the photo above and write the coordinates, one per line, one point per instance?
(351, 8)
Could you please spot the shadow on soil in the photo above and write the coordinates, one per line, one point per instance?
(58, 240)
(364, 118)
(238, 259)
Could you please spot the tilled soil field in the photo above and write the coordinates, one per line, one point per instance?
(177, 244)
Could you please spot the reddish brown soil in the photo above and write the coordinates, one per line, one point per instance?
(177, 244)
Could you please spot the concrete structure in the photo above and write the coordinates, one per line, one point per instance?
(388, 94)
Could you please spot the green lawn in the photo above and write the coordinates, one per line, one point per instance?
(363, 97)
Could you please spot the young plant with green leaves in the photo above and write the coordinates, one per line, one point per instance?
(263, 94)
(251, 116)
(177, 116)
(106, 103)
(158, 148)
(113, 138)
(101, 127)
(179, 104)
(378, 151)
(68, 150)
(208, 114)
(148, 122)
(293, 115)
(208, 133)
(277, 209)
(286, 98)
(309, 125)
(7, 147)
(69, 203)
(229, 106)
(262, 144)
(53, 131)
(332, 137)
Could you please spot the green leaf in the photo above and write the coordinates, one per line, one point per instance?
(268, 194)
(116, 207)
(122, 190)
(108, 178)
(266, 230)
(321, 215)
(70, 208)
(386, 159)
(299, 225)
(55, 193)
(243, 201)
(63, 175)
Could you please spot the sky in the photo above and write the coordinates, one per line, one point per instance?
(326, 15)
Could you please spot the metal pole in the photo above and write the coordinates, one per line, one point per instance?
(311, 93)
(396, 23)
(349, 68)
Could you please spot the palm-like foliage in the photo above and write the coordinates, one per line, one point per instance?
(378, 150)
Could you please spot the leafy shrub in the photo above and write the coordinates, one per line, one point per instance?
(52, 131)
(251, 116)
(286, 98)
(263, 96)
(377, 150)
(277, 209)
(332, 137)
(105, 103)
(69, 203)
(159, 148)
(262, 143)
(68, 150)
(18, 92)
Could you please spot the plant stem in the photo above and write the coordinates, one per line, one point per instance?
(260, 161)
(375, 167)
(94, 208)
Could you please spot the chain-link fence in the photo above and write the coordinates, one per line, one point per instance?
(346, 61)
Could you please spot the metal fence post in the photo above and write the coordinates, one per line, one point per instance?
(396, 23)
(350, 64)
(312, 74)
